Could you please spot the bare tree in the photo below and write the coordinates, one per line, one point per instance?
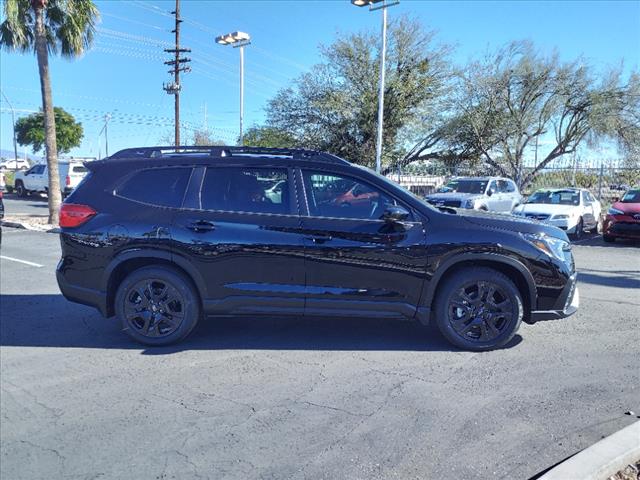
(503, 106)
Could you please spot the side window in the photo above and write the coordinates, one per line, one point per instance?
(511, 187)
(164, 187)
(37, 170)
(250, 190)
(336, 196)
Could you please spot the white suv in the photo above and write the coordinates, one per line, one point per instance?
(492, 194)
(19, 164)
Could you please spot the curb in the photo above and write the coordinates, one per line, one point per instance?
(28, 226)
(602, 459)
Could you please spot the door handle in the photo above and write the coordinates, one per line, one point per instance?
(319, 239)
(200, 226)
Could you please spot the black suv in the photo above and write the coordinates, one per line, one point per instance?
(161, 238)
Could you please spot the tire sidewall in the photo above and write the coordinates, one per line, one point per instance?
(180, 283)
(449, 289)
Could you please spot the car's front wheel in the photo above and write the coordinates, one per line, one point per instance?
(20, 190)
(157, 306)
(478, 309)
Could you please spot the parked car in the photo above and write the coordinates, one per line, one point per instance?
(623, 218)
(13, 164)
(160, 239)
(36, 179)
(571, 209)
(492, 194)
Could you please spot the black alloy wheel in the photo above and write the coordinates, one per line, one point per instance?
(479, 309)
(157, 305)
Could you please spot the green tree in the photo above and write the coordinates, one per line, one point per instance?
(269, 137)
(502, 107)
(334, 106)
(49, 26)
(30, 131)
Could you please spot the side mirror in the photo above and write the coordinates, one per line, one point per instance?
(490, 192)
(395, 213)
(615, 199)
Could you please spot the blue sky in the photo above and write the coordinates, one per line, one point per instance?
(123, 73)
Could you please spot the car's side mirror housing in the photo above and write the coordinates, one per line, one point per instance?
(395, 213)
(490, 192)
(615, 199)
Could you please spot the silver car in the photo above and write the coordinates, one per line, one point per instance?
(494, 194)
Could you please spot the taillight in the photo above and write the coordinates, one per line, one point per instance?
(74, 215)
(68, 181)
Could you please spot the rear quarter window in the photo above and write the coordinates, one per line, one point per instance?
(164, 187)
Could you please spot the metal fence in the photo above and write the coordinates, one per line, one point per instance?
(605, 182)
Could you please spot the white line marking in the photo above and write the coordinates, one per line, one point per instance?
(21, 261)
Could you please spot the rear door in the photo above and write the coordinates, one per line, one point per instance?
(240, 230)
(356, 263)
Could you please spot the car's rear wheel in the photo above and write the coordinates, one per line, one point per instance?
(478, 309)
(157, 306)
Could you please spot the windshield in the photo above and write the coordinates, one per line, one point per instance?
(465, 186)
(632, 196)
(557, 197)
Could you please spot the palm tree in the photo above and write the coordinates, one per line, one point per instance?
(44, 26)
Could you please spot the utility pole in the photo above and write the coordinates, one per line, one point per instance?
(107, 117)
(13, 122)
(175, 87)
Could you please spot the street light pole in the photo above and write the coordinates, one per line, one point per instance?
(372, 6)
(238, 40)
(381, 92)
(241, 138)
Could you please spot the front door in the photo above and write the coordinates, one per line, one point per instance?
(356, 263)
(243, 240)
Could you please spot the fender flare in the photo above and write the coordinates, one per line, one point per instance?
(164, 255)
(446, 265)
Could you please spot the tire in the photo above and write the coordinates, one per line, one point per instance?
(464, 322)
(20, 190)
(579, 230)
(168, 312)
(608, 238)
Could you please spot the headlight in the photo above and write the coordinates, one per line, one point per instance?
(560, 216)
(615, 211)
(554, 247)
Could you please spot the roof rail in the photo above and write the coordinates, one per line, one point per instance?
(225, 151)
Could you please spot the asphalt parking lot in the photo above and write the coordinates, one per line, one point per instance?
(306, 398)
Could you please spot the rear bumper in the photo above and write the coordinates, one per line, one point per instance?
(82, 295)
(568, 304)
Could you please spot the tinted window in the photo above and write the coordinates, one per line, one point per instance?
(79, 169)
(37, 170)
(251, 190)
(511, 187)
(157, 186)
(336, 196)
(632, 196)
(465, 186)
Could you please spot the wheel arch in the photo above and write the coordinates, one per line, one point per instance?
(127, 262)
(511, 267)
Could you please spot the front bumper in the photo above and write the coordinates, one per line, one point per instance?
(567, 304)
(623, 226)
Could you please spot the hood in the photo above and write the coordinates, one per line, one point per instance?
(629, 208)
(546, 208)
(453, 196)
(511, 223)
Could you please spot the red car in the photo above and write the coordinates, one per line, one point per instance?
(623, 218)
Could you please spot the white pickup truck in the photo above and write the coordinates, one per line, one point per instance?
(36, 179)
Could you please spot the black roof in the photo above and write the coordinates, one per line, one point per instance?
(167, 152)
